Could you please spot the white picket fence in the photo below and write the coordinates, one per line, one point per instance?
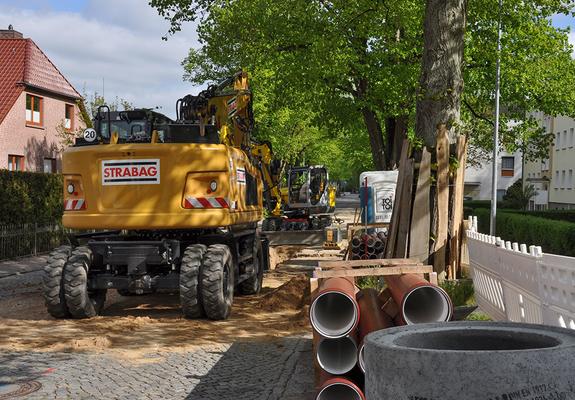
(517, 283)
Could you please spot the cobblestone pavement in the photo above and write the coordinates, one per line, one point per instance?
(262, 369)
(280, 369)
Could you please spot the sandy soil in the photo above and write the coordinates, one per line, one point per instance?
(133, 326)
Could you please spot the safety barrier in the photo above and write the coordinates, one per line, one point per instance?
(514, 282)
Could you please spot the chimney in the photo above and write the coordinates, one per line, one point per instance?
(10, 33)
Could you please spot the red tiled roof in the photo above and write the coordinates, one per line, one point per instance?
(22, 62)
(12, 61)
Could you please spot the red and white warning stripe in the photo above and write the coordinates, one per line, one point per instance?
(206, 202)
(74, 205)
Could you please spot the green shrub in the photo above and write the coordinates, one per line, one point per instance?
(556, 237)
(461, 291)
(30, 197)
(558, 215)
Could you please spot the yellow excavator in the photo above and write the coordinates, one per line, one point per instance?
(171, 205)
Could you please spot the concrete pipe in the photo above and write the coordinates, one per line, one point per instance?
(334, 312)
(372, 319)
(337, 356)
(418, 300)
(472, 361)
(340, 389)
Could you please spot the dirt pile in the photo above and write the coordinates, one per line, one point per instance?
(291, 296)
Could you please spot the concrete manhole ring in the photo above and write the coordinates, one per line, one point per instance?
(18, 389)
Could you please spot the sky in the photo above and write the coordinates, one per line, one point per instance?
(112, 43)
(117, 46)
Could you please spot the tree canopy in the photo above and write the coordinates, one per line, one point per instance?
(331, 77)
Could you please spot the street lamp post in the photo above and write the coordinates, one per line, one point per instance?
(492, 227)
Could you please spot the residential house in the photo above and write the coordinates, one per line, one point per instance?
(553, 177)
(478, 178)
(36, 103)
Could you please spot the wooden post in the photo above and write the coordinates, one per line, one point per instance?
(442, 201)
(401, 245)
(397, 202)
(457, 209)
(420, 220)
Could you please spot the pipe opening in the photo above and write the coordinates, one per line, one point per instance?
(426, 304)
(337, 356)
(361, 358)
(339, 391)
(333, 314)
(476, 340)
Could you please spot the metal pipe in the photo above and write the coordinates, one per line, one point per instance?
(334, 313)
(340, 389)
(418, 300)
(356, 242)
(337, 356)
(373, 318)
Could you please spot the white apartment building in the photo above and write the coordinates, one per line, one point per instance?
(478, 179)
(553, 177)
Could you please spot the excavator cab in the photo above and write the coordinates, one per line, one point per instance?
(307, 188)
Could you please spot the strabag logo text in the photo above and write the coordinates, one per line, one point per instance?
(131, 172)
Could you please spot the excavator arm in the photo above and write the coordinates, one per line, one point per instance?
(271, 177)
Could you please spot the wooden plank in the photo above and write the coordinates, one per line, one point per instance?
(393, 228)
(366, 263)
(433, 278)
(420, 220)
(401, 244)
(442, 201)
(457, 209)
(405, 269)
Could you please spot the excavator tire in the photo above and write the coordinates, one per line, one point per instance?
(53, 283)
(81, 302)
(253, 284)
(189, 280)
(217, 282)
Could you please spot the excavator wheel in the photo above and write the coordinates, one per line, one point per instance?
(217, 282)
(81, 302)
(53, 283)
(189, 279)
(253, 284)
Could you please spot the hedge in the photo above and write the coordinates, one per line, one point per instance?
(555, 237)
(557, 215)
(30, 197)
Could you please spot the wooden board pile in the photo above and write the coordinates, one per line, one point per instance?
(427, 217)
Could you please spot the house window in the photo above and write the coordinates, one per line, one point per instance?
(49, 165)
(558, 141)
(565, 139)
(570, 181)
(556, 180)
(563, 179)
(15, 163)
(69, 117)
(571, 137)
(34, 110)
(507, 166)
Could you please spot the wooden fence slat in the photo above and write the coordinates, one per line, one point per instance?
(457, 209)
(393, 228)
(420, 221)
(442, 201)
(405, 269)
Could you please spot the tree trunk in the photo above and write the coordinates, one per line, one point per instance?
(375, 138)
(395, 133)
(441, 82)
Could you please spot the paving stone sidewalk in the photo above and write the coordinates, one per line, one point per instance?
(271, 370)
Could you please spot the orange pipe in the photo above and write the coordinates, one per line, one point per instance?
(373, 318)
(334, 312)
(418, 300)
(340, 388)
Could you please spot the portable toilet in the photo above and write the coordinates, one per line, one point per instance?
(380, 192)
